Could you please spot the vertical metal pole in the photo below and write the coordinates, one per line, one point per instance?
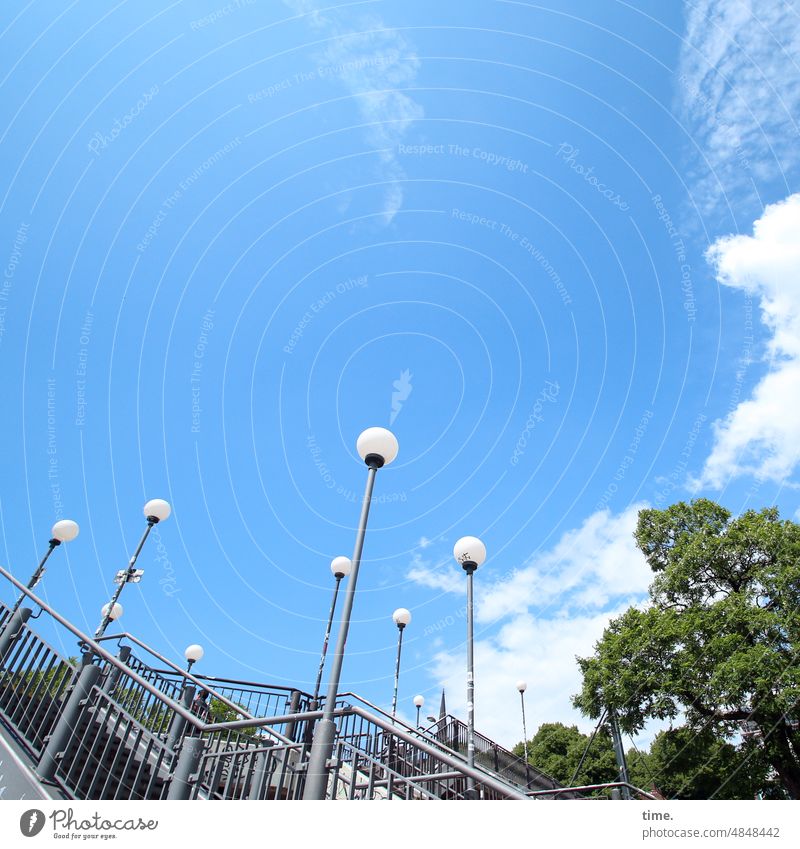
(13, 630)
(178, 724)
(114, 673)
(36, 576)
(418, 710)
(325, 644)
(619, 753)
(322, 746)
(400, 628)
(187, 766)
(469, 568)
(294, 707)
(67, 722)
(524, 729)
(101, 628)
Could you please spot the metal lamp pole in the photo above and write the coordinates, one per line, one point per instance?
(155, 511)
(419, 701)
(401, 618)
(470, 552)
(63, 531)
(377, 447)
(522, 686)
(341, 567)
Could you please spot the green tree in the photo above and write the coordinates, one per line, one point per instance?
(684, 763)
(557, 749)
(720, 639)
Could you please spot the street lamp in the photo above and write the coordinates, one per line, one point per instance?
(155, 511)
(522, 686)
(341, 567)
(419, 701)
(377, 447)
(401, 618)
(470, 552)
(64, 530)
(193, 653)
(112, 611)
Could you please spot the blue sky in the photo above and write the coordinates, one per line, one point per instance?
(552, 245)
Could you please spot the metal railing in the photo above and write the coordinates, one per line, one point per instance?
(106, 737)
(34, 681)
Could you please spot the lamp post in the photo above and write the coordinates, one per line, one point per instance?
(341, 567)
(419, 701)
(377, 447)
(64, 530)
(193, 653)
(401, 618)
(522, 686)
(155, 511)
(470, 552)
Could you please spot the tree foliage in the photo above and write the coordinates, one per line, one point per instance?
(719, 641)
(557, 749)
(684, 763)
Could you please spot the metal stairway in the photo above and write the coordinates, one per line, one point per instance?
(116, 727)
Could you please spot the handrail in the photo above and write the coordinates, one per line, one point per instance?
(176, 668)
(456, 763)
(586, 787)
(204, 727)
(178, 708)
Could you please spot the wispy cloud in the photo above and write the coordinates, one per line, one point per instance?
(761, 435)
(739, 95)
(373, 62)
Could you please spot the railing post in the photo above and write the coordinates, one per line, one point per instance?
(178, 724)
(294, 707)
(67, 722)
(257, 789)
(187, 766)
(114, 673)
(12, 630)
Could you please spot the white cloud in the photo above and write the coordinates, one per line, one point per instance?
(739, 93)
(436, 576)
(372, 61)
(586, 569)
(557, 606)
(761, 436)
(540, 651)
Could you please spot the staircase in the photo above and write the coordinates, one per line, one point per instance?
(109, 727)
